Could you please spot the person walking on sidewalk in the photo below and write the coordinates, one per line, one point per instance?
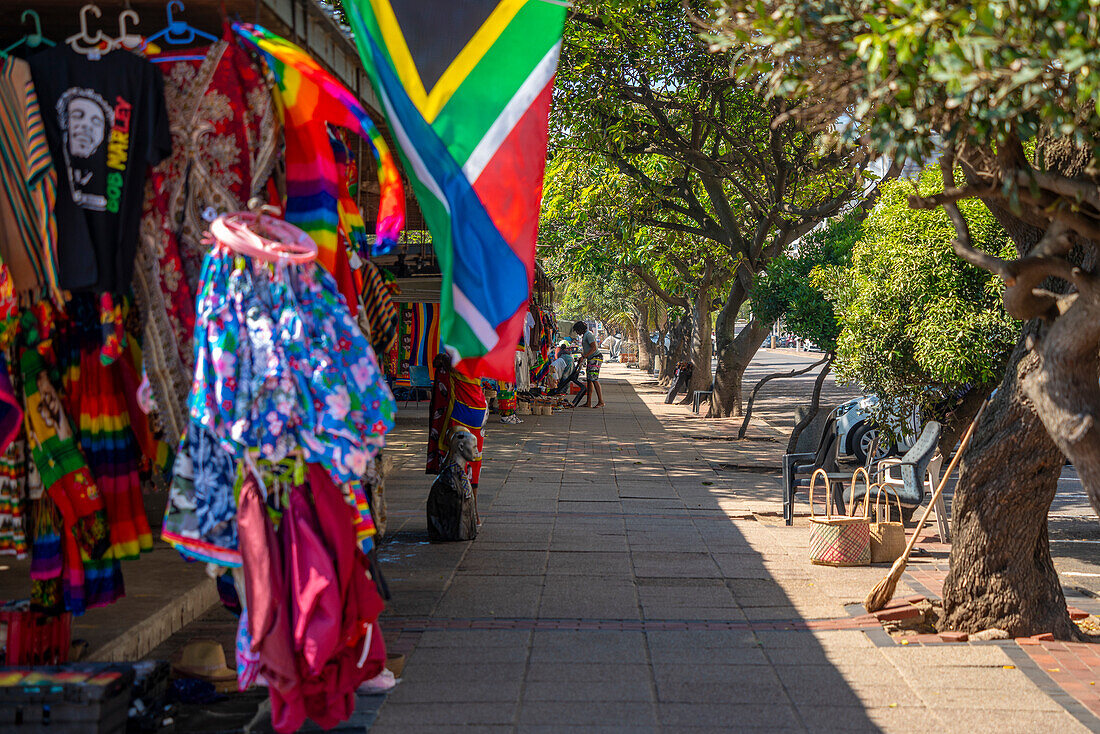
(590, 353)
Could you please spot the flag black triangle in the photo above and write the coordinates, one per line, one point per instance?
(436, 31)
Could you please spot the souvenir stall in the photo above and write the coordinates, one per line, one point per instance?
(187, 306)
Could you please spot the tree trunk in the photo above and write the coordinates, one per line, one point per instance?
(701, 352)
(734, 355)
(677, 350)
(815, 405)
(646, 348)
(1001, 572)
(956, 421)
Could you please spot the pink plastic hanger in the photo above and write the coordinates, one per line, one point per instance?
(264, 237)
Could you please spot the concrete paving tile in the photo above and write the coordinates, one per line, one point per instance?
(490, 562)
(685, 596)
(515, 533)
(832, 689)
(590, 646)
(727, 717)
(429, 669)
(685, 539)
(410, 603)
(674, 565)
(491, 596)
(612, 688)
(635, 674)
(464, 689)
(664, 612)
(556, 729)
(627, 716)
(702, 639)
(589, 563)
(386, 728)
(588, 597)
(414, 717)
(973, 720)
(569, 540)
(736, 684)
(796, 656)
(588, 493)
(473, 638)
(950, 656)
(755, 613)
(819, 718)
(469, 655)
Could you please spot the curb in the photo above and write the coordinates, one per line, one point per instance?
(143, 637)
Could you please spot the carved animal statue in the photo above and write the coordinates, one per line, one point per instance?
(452, 506)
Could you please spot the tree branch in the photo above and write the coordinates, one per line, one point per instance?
(651, 281)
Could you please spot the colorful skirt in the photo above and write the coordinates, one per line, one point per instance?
(457, 402)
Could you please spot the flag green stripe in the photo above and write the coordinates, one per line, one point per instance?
(469, 113)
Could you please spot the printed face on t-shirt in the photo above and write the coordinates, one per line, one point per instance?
(87, 126)
(84, 118)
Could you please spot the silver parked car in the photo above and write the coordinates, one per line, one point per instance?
(857, 429)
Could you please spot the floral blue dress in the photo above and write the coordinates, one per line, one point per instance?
(280, 365)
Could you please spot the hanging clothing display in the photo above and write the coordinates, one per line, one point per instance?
(106, 123)
(28, 232)
(417, 341)
(224, 144)
(379, 309)
(154, 335)
(287, 411)
(457, 402)
(310, 100)
(280, 367)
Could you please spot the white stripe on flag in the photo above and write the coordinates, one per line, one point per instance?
(510, 115)
(481, 327)
(415, 160)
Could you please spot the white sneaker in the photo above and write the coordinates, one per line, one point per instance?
(384, 681)
(511, 420)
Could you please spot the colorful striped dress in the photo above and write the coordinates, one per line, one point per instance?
(28, 231)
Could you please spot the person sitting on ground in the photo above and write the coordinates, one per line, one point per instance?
(590, 352)
(684, 371)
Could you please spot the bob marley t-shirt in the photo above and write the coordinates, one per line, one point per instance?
(106, 123)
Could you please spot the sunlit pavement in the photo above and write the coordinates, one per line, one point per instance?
(633, 574)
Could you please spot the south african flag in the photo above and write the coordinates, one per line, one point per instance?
(465, 87)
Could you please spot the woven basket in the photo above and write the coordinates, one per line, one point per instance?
(523, 408)
(887, 536)
(841, 540)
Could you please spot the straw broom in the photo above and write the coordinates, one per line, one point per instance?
(884, 590)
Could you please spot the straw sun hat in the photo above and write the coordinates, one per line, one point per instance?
(205, 659)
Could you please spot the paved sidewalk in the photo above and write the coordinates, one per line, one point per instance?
(625, 580)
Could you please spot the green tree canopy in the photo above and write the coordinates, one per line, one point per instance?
(913, 315)
(786, 288)
(711, 157)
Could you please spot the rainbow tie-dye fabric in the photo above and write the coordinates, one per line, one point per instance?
(309, 98)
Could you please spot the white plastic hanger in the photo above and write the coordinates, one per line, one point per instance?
(91, 44)
(125, 39)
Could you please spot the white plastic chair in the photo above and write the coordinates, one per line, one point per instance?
(931, 481)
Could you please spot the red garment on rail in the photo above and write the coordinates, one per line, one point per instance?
(311, 603)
